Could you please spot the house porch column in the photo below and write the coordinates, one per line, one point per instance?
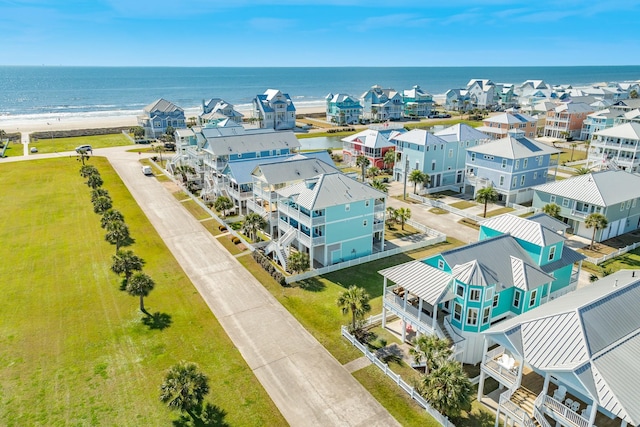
(545, 387)
(384, 311)
(594, 411)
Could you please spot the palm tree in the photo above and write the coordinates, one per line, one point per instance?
(551, 209)
(137, 131)
(392, 216)
(183, 170)
(582, 171)
(380, 186)
(117, 233)
(633, 94)
(448, 389)
(110, 216)
(403, 215)
(102, 204)
(140, 285)
(416, 177)
(298, 262)
(389, 159)
(597, 221)
(430, 349)
(573, 147)
(363, 162)
(82, 156)
(125, 263)
(356, 301)
(426, 180)
(87, 170)
(222, 204)
(94, 181)
(184, 388)
(486, 195)
(373, 171)
(252, 223)
(98, 192)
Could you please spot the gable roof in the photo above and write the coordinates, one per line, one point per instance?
(511, 119)
(162, 105)
(603, 188)
(372, 138)
(249, 142)
(330, 189)
(549, 222)
(294, 168)
(419, 137)
(514, 147)
(524, 229)
(625, 131)
(460, 132)
(591, 337)
(422, 280)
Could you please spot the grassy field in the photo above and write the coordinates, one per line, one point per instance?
(57, 145)
(578, 155)
(14, 149)
(463, 204)
(74, 349)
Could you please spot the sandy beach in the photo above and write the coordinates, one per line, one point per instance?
(12, 124)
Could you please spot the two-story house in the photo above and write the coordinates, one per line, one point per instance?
(597, 121)
(343, 109)
(380, 104)
(613, 194)
(217, 109)
(417, 102)
(441, 155)
(158, 116)
(332, 217)
(274, 110)
(616, 147)
(517, 265)
(457, 100)
(373, 143)
(512, 166)
(571, 362)
(565, 121)
(498, 126)
(481, 93)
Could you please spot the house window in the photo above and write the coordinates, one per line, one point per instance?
(457, 312)
(516, 298)
(522, 180)
(486, 315)
(539, 158)
(622, 206)
(460, 291)
(565, 202)
(525, 162)
(633, 204)
(518, 164)
(501, 180)
(474, 295)
(535, 175)
(347, 207)
(473, 157)
(496, 300)
(532, 298)
(552, 253)
(472, 316)
(441, 264)
(552, 199)
(504, 163)
(514, 182)
(450, 153)
(433, 165)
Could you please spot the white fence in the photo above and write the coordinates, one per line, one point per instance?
(378, 255)
(607, 257)
(444, 421)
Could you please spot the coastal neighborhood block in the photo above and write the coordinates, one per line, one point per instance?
(498, 126)
(159, 115)
(613, 194)
(274, 110)
(380, 104)
(343, 109)
(616, 147)
(518, 264)
(579, 353)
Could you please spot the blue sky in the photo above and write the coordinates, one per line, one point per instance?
(319, 33)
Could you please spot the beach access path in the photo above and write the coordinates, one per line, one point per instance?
(305, 381)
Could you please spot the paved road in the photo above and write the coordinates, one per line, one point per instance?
(306, 383)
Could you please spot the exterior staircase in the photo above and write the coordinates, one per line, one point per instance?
(525, 399)
(444, 330)
(281, 246)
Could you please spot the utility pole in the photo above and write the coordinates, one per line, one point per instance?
(406, 171)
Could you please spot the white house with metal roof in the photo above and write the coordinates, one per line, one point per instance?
(159, 115)
(616, 147)
(585, 345)
(517, 265)
(274, 110)
(217, 109)
(380, 104)
(613, 194)
(512, 166)
(332, 217)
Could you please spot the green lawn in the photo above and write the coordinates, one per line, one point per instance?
(14, 149)
(463, 204)
(499, 211)
(74, 349)
(565, 155)
(630, 260)
(57, 145)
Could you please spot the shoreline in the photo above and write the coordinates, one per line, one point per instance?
(97, 121)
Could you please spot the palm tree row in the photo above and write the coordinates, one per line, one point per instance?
(125, 263)
(400, 215)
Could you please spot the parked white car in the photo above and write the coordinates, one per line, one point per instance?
(147, 170)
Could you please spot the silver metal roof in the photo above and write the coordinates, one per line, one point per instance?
(419, 137)
(524, 229)
(460, 132)
(604, 188)
(626, 131)
(426, 282)
(250, 142)
(512, 147)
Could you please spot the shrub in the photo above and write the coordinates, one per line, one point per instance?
(222, 228)
(235, 240)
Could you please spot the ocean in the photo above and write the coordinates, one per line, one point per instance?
(55, 92)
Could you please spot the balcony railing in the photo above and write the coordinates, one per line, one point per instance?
(300, 216)
(410, 314)
(300, 236)
(514, 410)
(491, 365)
(557, 410)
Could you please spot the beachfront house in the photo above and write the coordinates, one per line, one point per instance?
(481, 93)
(512, 166)
(267, 178)
(380, 104)
(457, 100)
(332, 217)
(217, 109)
(372, 143)
(571, 362)
(565, 121)
(274, 110)
(417, 102)
(441, 155)
(518, 264)
(616, 147)
(612, 193)
(531, 92)
(343, 109)
(498, 126)
(158, 116)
